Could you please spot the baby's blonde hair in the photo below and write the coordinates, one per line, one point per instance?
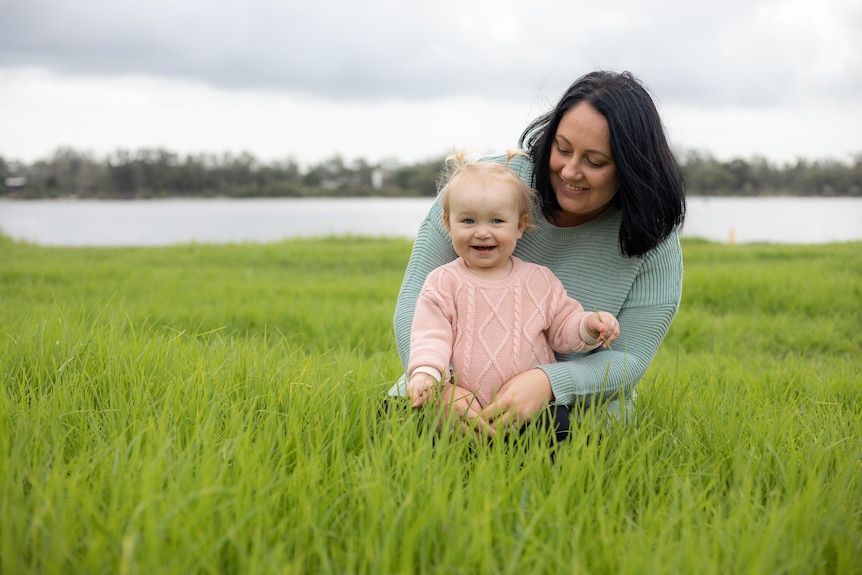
(458, 171)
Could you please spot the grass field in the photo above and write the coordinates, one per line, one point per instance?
(213, 409)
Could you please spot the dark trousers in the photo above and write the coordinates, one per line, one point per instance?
(556, 418)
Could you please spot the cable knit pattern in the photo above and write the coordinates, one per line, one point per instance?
(644, 293)
(490, 331)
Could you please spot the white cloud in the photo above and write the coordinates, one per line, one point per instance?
(101, 115)
(377, 78)
(779, 134)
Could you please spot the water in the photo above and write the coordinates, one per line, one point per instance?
(807, 220)
(173, 221)
(165, 222)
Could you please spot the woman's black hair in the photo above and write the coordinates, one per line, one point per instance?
(651, 194)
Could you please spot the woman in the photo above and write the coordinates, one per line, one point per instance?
(612, 200)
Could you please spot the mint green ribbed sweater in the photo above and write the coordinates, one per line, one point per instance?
(644, 293)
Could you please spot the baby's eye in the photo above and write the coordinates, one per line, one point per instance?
(468, 220)
(497, 221)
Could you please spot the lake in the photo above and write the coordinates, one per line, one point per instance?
(173, 221)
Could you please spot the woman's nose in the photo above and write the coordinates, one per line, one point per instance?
(571, 171)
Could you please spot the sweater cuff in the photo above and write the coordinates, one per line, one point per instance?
(435, 373)
(562, 382)
(585, 333)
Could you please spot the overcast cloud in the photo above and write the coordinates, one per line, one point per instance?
(372, 78)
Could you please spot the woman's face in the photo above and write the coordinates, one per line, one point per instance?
(583, 173)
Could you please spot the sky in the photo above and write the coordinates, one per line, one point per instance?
(409, 81)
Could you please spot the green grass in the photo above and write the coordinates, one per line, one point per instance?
(213, 409)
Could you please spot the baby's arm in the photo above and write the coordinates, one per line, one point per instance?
(431, 340)
(573, 329)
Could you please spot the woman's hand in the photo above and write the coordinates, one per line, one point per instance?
(518, 401)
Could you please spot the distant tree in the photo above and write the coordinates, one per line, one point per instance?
(417, 179)
(159, 173)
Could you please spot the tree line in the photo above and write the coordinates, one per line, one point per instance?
(153, 173)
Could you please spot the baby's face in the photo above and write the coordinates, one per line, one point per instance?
(485, 225)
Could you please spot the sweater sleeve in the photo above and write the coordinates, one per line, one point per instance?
(645, 317)
(432, 336)
(431, 249)
(566, 332)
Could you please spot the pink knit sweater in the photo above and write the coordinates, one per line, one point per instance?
(490, 331)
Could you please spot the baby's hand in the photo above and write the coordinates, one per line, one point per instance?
(604, 327)
(420, 387)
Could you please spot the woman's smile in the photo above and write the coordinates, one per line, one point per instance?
(573, 188)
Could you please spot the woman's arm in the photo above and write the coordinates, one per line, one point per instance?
(650, 304)
(645, 317)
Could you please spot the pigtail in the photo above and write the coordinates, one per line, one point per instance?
(458, 167)
(512, 154)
